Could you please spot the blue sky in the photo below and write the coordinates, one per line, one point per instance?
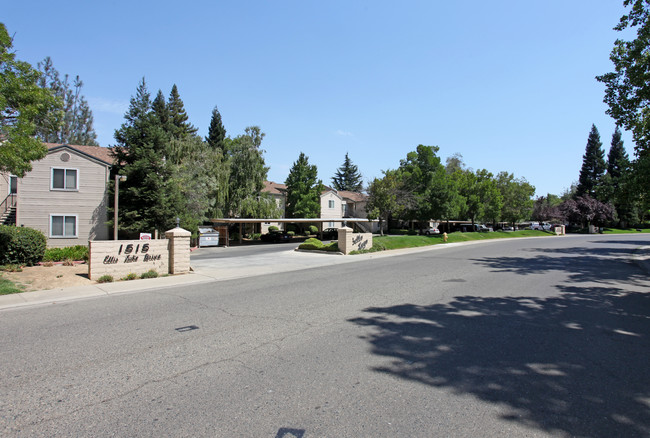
(508, 84)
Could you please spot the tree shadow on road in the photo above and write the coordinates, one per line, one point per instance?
(576, 363)
(581, 264)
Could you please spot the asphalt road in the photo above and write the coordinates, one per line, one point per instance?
(529, 337)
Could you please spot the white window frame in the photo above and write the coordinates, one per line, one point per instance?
(65, 171)
(331, 204)
(64, 236)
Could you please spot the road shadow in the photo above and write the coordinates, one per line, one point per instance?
(575, 363)
(580, 264)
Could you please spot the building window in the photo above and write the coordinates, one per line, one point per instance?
(63, 225)
(64, 179)
(331, 204)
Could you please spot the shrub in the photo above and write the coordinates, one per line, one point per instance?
(255, 236)
(131, 276)
(105, 279)
(11, 268)
(316, 245)
(291, 233)
(21, 245)
(77, 252)
(313, 229)
(149, 274)
(273, 228)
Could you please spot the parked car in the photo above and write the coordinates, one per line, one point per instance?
(330, 233)
(432, 230)
(276, 237)
(507, 228)
(543, 226)
(483, 229)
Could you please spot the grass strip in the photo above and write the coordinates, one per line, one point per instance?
(382, 243)
(8, 287)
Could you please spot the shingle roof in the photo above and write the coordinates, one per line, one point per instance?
(274, 188)
(101, 153)
(353, 196)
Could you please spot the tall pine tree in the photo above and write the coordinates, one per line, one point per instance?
(178, 125)
(593, 166)
(77, 121)
(618, 181)
(148, 198)
(216, 132)
(618, 161)
(347, 177)
(303, 189)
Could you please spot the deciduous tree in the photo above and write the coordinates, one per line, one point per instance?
(23, 104)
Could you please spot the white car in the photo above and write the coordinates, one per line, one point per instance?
(430, 231)
(544, 226)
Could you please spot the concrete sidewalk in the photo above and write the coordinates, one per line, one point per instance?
(205, 271)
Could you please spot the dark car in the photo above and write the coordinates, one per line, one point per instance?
(276, 237)
(330, 233)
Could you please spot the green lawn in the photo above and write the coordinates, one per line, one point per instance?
(381, 243)
(625, 230)
(7, 287)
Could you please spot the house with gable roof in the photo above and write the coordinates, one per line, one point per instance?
(65, 195)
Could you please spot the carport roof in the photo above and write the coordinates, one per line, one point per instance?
(289, 220)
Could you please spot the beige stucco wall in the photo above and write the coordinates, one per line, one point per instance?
(37, 201)
(280, 202)
(349, 241)
(327, 212)
(4, 186)
(117, 259)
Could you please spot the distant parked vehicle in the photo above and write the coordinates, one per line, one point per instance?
(507, 229)
(483, 229)
(276, 237)
(330, 233)
(432, 230)
(544, 226)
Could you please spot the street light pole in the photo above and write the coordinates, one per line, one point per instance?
(118, 178)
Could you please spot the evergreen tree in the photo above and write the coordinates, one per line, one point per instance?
(23, 104)
(159, 108)
(303, 189)
(216, 132)
(347, 177)
(149, 199)
(178, 125)
(618, 182)
(593, 166)
(77, 122)
(618, 162)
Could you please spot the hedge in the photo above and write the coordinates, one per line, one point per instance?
(21, 245)
(77, 252)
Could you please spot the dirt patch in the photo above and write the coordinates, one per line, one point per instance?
(50, 277)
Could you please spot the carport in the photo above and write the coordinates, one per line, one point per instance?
(222, 223)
